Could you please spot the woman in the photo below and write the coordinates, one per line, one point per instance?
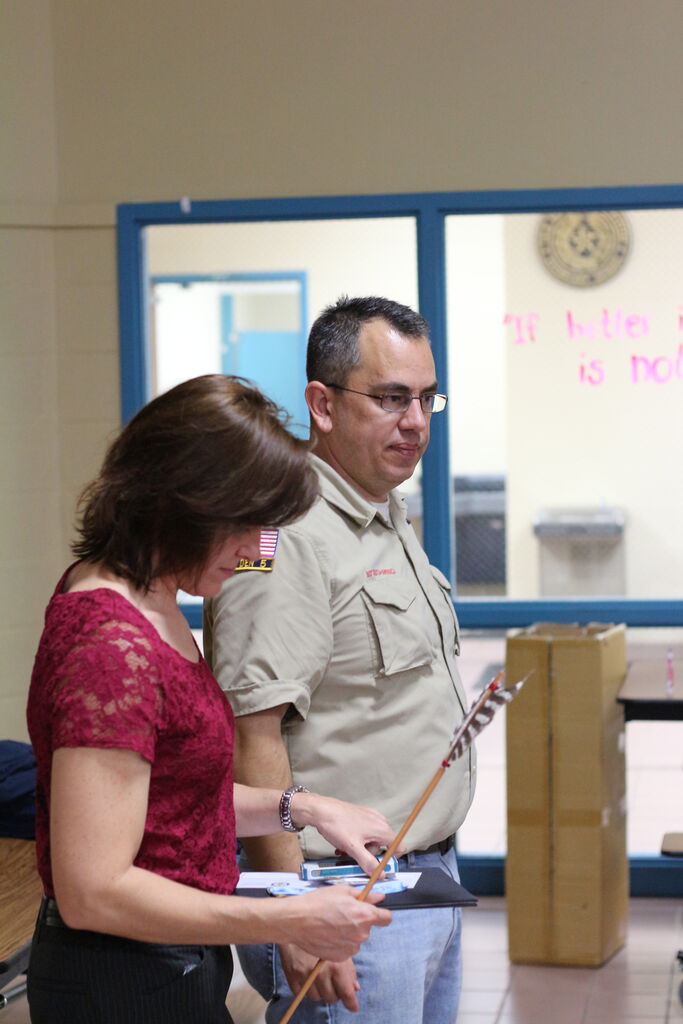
(136, 808)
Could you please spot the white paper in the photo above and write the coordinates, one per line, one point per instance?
(409, 878)
(264, 879)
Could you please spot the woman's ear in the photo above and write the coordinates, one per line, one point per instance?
(320, 405)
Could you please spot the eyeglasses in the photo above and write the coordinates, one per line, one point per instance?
(399, 401)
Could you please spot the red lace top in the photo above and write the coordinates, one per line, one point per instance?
(103, 677)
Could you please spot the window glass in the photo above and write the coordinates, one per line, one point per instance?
(565, 342)
(251, 326)
(484, 831)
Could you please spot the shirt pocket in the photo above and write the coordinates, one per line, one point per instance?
(445, 589)
(398, 633)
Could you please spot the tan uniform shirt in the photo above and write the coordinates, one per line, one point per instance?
(357, 632)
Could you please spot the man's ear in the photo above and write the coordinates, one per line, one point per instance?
(320, 405)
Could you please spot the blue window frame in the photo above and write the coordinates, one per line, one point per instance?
(429, 211)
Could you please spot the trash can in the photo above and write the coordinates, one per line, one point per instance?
(479, 504)
(581, 551)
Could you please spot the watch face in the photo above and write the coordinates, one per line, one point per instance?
(583, 249)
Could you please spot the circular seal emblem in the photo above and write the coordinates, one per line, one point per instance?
(583, 249)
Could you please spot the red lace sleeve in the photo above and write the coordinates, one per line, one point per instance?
(106, 692)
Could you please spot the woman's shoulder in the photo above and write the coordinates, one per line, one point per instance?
(92, 610)
(98, 612)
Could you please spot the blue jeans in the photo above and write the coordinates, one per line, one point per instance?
(410, 972)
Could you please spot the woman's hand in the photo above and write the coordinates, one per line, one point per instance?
(352, 829)
(330, 923)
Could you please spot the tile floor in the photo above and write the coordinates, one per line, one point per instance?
(637, 986)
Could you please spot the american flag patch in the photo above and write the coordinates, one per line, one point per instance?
(268, 543)
(264, 563)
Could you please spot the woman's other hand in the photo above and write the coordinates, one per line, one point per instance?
(360, 832)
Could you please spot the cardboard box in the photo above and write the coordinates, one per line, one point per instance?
(566, 878)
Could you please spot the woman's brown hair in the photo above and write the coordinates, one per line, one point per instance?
(208, 458)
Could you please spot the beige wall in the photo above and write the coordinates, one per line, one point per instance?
(117, 102)
(30, 534)
(162, 99)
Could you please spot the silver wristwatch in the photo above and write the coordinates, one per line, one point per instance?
(286, 808)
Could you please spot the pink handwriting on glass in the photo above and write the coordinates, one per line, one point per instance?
(659, 370)
(609, 325)
(524, 325)
(592, 372)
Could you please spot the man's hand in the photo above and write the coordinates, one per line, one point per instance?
(334, 981)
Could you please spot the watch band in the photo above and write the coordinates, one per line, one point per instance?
(286, 808)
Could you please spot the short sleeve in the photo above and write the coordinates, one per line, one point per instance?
(106, 691)
(268, 635)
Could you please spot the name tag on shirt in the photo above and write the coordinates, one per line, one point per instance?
(260, 565)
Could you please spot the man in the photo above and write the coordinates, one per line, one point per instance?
(341, 664)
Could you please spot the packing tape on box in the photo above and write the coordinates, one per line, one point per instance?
(560, 819)
(533, 818)
(580, 819)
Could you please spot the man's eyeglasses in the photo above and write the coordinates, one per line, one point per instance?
(399, 401)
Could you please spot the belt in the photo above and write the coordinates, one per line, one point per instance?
(442, 847)
(49, 914)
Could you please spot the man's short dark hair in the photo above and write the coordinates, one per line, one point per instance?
(333, 348)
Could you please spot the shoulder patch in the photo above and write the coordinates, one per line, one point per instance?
(266, 560)
(259, 565)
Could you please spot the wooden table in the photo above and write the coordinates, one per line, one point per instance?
(20, 894)
(644, 693)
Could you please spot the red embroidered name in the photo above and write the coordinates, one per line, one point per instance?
(380, 572)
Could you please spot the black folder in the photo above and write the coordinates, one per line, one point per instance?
(434, 888)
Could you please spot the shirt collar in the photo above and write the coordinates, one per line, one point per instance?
(342, 495)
